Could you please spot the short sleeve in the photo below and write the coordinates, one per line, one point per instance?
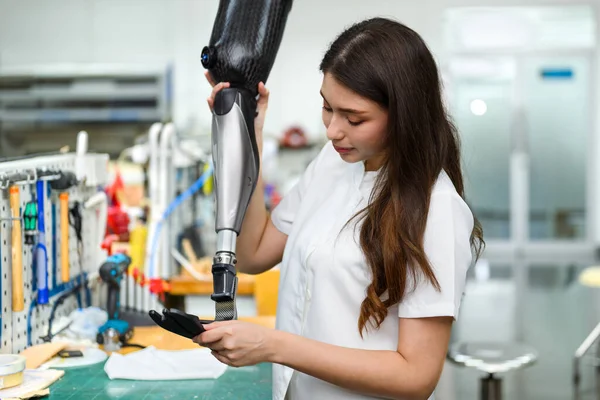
(284, 213)
(447, 246)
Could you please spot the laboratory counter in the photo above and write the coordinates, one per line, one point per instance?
(92, 383)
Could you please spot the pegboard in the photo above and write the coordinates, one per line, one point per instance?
(19, 329)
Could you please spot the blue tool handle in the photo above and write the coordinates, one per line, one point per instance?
(42, 271)
(40, 206)
(113, 303)
(41, 252)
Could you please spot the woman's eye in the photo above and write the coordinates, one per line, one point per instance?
(355, 123)
(327, 109)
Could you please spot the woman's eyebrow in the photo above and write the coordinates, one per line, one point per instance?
(345, 110)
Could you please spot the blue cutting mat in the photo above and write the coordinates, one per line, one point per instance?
(91, 383)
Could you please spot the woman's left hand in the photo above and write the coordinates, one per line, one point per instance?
(238, 343)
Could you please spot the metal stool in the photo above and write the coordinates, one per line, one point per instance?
(492, 358)
(589, 277)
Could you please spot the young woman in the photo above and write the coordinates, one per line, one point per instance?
(375, 240)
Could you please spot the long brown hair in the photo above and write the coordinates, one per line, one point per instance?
(389, 63)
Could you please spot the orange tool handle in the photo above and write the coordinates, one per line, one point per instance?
(18, 300)
(64, 237)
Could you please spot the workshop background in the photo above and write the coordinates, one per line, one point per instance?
(521, 82)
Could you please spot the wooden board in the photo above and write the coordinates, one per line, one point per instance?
(183, 285)
(40, 353)
(186, 284)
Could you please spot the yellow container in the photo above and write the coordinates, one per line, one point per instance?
(137, 247)
(11, 370)
(208, 185)
(266, 292)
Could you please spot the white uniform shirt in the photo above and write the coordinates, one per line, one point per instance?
(324, 274)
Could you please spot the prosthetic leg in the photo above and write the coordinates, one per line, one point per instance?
(242, 50)
(236, 161)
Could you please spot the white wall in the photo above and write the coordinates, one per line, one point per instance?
(149, 32)
(174, 31)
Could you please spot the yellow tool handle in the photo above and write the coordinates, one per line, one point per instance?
(64, 237)
(18, 301)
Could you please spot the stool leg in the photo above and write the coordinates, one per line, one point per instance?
(583, 348)
(491, 388)
(597, 371)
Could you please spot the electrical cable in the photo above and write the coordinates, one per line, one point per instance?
(76, 221)
(59, 301)
(139, 346)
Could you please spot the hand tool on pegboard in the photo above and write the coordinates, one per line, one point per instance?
(14, 180)
(76, 221)
(30, 214)
(62, 184)
(41, 255)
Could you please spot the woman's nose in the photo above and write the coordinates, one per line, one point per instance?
(334, 131)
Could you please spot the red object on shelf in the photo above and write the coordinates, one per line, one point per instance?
(107, 243)
(112, 190)
(294, 137)
(117, 223)
(158, 286)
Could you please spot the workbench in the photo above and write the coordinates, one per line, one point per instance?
(92, 383)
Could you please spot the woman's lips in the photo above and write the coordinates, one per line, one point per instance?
(343, 150)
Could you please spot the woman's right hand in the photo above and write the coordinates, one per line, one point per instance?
(261, 106)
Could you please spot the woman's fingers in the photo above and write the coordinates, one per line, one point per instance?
(262, 89)
(219, 357)
(263, 99)
(263, 94)
(216, 88)
(216, 346)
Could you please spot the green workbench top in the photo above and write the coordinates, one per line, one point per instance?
(92, 383)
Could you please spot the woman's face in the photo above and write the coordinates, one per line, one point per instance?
(355, 125)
